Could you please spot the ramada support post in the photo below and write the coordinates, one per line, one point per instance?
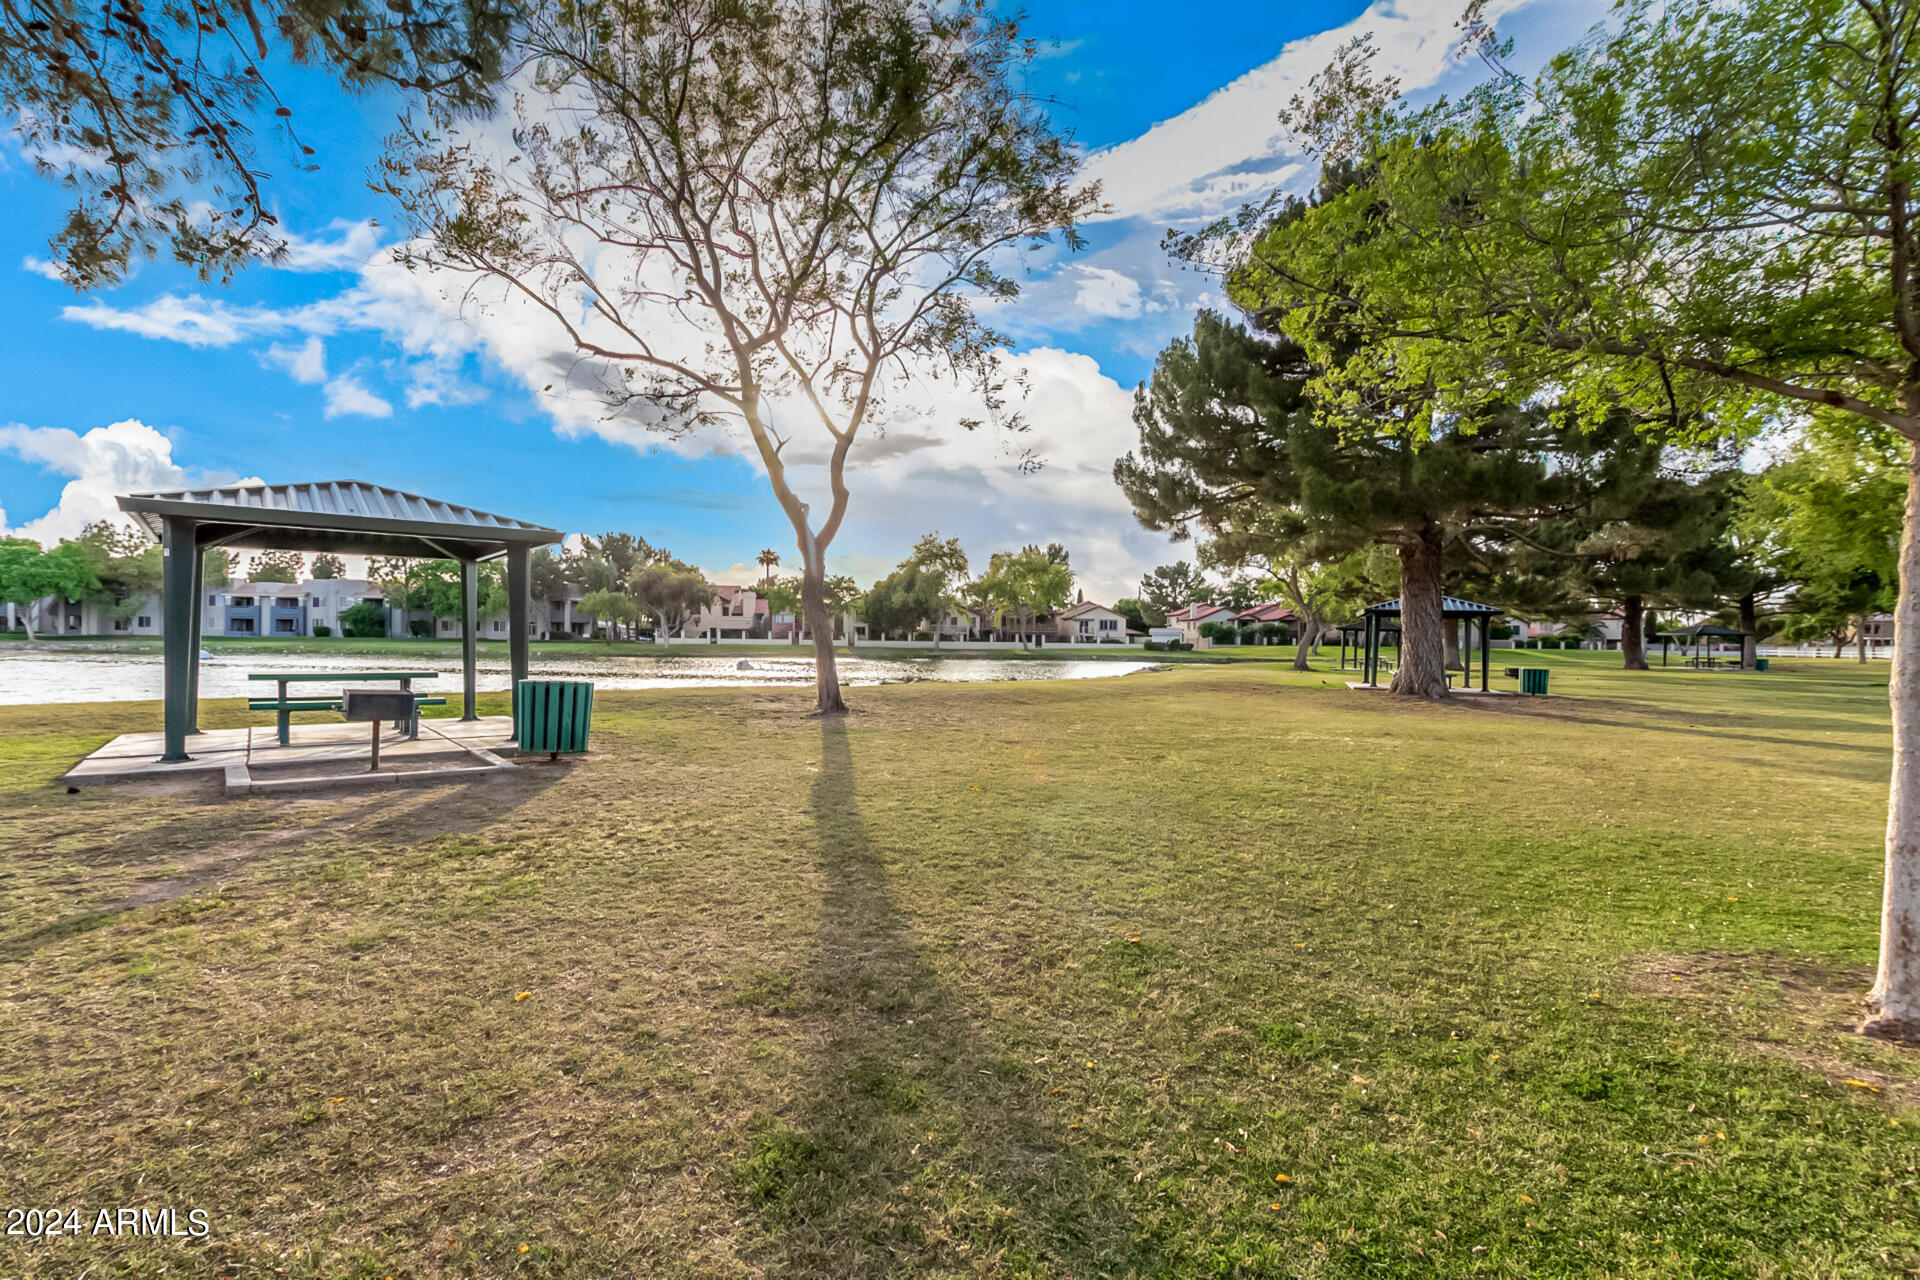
(519, 606)
(193, 685)
(179, 550)
(469, 637)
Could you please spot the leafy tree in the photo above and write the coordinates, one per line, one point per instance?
(901, 601)
(149, 115)
(126, 566)
(818, 192)
(1140, 613)
(610, 608)
(546, 575)
(943, 566)
(672, 592)
(389, 575)
(434, 587)
(1707, 210)
(365, 619)
(1235, 443)
(276, 566)
(1827, 516)
(1641, 525)
(1322, 593)
(29, 573)
(216, 567)
(1024, 584)
(327, 565)
(1170, 587)
(783, 596)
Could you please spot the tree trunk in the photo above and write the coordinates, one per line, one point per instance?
(1309, 625)
(660, 631)
(1422, 672)
(1749, 623)
(1894, 1003)
(1450, 644)
(1860, 638)
(1633, 644)
(826, 672)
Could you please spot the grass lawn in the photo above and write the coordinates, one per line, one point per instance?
(1217, 971)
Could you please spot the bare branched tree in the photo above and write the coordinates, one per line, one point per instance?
(764, 211)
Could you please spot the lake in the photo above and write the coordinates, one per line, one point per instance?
(54, 675)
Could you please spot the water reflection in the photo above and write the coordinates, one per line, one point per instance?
(41, 676)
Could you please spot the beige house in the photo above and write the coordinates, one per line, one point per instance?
(1090, 623)
(1190, 619)
(735, 614)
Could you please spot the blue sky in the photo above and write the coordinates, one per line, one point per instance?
(339, 370)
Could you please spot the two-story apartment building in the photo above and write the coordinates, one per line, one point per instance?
(243, 608)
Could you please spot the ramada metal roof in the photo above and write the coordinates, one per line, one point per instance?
(1450, 607)
(347, 514)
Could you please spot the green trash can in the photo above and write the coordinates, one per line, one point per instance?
(1533, 680)
(552, 715)
(1759, 664)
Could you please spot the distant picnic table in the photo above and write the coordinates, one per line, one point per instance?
(283, 706)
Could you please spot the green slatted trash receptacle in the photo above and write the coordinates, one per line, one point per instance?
(1759, 664)
(1533, 680)
(553, 715)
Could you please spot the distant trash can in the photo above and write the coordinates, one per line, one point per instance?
(553, 715)
(1759, 664)
(1533, 680)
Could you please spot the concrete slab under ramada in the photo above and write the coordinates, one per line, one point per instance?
(1476, 691)
(248, 758)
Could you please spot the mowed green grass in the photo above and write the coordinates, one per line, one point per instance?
(1218, 971)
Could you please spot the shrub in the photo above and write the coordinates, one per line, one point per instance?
(322, 630)
(364, 619)
(1500, 631)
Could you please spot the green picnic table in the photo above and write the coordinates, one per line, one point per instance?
(283, 707)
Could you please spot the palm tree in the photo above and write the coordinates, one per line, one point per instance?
(769, 561)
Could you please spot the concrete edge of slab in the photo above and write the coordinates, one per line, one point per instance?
(239, 781)
(364, 781)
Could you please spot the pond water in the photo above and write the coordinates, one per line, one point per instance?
(58, 675)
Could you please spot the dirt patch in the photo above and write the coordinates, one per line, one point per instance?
(1804, 1013)
(200, 869)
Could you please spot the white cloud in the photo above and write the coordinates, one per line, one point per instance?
(352, 243)
(306, 362)
(1106, 293)
(1230, 147)
(194, 321)
(42, 268)
(104, 462)
(346, 395)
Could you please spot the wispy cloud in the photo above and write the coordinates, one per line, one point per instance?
(1230, 147)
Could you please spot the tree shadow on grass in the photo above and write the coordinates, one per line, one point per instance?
(212, 841)
(919, 1145)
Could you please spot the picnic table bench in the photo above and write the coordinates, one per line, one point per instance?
(283, 706)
